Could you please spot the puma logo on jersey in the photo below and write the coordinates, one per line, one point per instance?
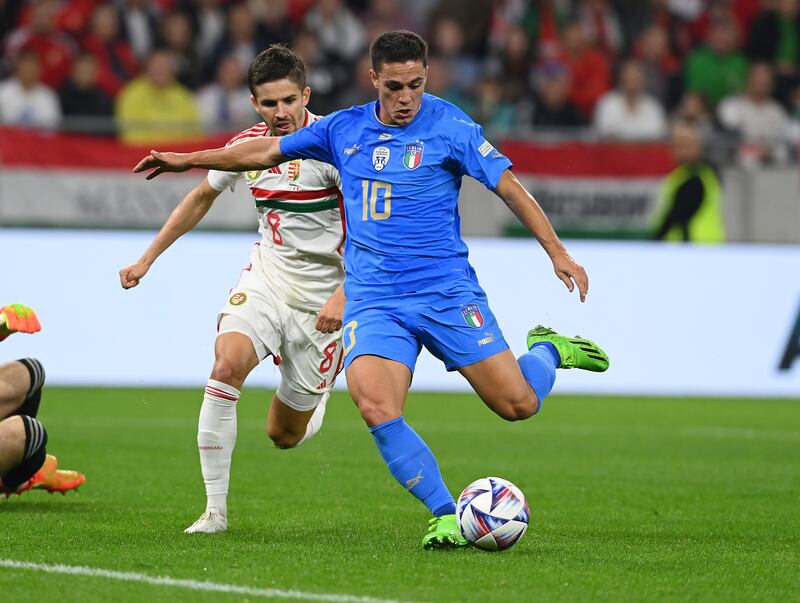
(486, 340)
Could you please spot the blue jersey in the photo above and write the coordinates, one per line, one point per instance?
(400, 186)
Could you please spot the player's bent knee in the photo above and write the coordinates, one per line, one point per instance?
(374, 412)
(284, 438)
(229, 371)
(285, 443)
(521, 413)
(516, 408)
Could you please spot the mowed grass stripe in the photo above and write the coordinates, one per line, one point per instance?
(267, 593)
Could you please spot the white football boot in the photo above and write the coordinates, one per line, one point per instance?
(210, 522)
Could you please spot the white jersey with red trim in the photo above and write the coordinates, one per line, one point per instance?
(300, 221)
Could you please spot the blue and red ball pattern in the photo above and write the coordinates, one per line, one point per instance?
(493, 513)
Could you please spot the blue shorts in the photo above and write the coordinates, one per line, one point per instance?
(454, 324)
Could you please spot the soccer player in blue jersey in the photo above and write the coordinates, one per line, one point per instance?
(409, 283)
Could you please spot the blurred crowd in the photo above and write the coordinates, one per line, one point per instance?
(620, 69)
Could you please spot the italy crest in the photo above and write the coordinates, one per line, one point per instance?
(472, 315)
(413, 155)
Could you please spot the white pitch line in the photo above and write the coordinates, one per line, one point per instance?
(267, 593)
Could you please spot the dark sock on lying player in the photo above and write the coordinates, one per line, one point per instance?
(30, 406)
(33, 459)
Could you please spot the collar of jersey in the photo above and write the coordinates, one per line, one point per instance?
(376, 108)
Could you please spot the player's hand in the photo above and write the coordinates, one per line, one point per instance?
(572, 274)
(329, 319)
(162, 162)
(16, 318)
(131, 275)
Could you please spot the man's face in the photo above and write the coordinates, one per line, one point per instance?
(788, 8)
(554, 87)
(160, 69)
(28, 69)
(632, 79)
(400, 87)
(722, 37)
(685, 144)
(759, 82)
(43, 16)
(84, 71)
(573, 38)
(229, 73)
(282, 105)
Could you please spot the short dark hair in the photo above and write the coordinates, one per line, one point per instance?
(398, 47)
(276, 63)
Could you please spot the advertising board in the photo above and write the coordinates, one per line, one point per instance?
(675, 319)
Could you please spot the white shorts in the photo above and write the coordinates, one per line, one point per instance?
(307, 359)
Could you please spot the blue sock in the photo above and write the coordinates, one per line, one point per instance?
(413, 465)
(539, 368)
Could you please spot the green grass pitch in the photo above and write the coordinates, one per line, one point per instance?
(662, 499)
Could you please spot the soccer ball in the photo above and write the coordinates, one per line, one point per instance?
(492, 513)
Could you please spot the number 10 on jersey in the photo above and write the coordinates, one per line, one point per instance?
(375, 194)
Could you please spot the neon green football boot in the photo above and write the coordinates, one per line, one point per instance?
(575, 352)
(443, 533)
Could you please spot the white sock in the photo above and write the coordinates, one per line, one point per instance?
(216, 437)
(315, 422)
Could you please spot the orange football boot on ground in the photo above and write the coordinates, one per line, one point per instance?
(52, 479)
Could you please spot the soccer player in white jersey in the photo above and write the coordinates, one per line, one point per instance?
(288, 302)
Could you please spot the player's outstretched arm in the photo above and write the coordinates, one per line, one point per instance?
(330, 316)
(183, 218)
(256, 154)
(16, 318)
(531, 215)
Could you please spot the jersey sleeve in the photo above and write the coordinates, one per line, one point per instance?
(219, 181)
(475, 156)
(311, 142)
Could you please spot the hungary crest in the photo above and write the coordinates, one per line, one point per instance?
(472, 315)
(413, 155)
(294, 169)
(238, 298)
